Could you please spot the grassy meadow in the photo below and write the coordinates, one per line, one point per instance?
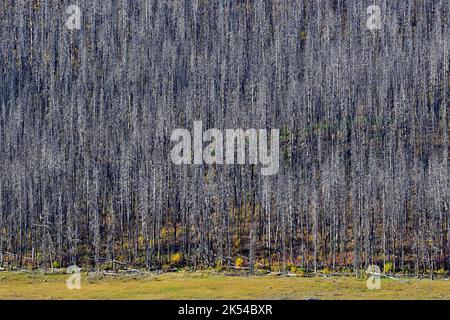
(203, 285)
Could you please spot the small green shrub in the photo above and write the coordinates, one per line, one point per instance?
(388, 267)
(441, 271)
(301, 272)
(293, 269)
(326, 270)
(106, 266)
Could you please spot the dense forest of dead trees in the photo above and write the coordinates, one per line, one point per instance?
(86, 117)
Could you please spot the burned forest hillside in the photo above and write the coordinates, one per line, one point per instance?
(86, 116)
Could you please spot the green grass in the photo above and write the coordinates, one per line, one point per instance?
(194, 285)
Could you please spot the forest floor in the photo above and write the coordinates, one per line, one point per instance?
(201, 285)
